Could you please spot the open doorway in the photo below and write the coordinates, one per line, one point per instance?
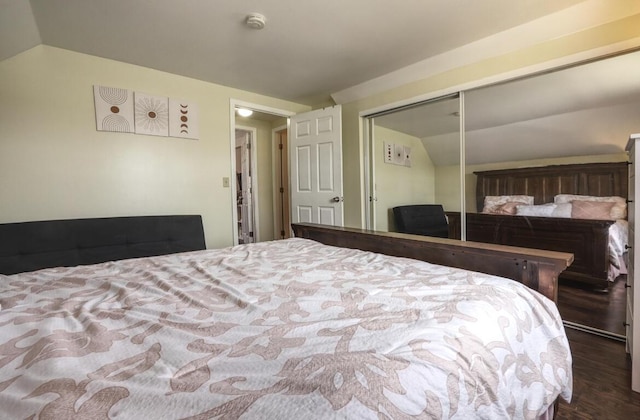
(316, 163)
(269, 173)
(245, 201)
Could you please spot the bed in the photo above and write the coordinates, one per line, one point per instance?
(598, 245)
(297, 328)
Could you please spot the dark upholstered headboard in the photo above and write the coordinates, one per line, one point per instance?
(30, 246)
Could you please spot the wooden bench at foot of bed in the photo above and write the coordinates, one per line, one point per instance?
(537, 269)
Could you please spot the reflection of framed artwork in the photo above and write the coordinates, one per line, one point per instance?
(125, 111)
(397, 154)
(406, 161)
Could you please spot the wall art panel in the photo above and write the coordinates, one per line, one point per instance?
(114, 109)
(183, 119)
(151, 114)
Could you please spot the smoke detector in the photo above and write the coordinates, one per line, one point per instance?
(255, 21)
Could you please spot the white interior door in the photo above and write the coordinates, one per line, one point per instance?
(315, 150)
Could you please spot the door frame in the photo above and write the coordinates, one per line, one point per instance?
(255, 194)
(233, 104)
(279, 209)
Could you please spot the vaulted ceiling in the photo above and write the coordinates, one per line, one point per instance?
(307, 50)
(323, 51)
(590, 109)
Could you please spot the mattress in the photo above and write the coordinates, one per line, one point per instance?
(282, 329)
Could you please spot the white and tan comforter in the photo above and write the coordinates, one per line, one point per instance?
(282, 330)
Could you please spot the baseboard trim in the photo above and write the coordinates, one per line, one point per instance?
(596, 331)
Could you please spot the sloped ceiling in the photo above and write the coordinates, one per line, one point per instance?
(307, 50)
(312, 49)
(589, 109)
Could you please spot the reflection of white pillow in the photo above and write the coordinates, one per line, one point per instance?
(618, 211)
(493, 203)
(546, 210)
(562, 210)
(543, 210)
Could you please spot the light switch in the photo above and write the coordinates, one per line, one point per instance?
(225, 182)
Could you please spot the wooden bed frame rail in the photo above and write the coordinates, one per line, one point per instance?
(587, 240)
(537, 269)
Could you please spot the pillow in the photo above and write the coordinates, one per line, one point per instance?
(543, 210)
(591, 209)
(618, 211)
(493, 202)
(562, 210)
(507, 208)
(546, 210)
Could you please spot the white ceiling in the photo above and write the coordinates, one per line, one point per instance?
(314, 50)
(308, 50)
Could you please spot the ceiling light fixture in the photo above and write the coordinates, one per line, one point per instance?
(255, 21)
(244, 112)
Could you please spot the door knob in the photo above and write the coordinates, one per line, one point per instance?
(337, 199)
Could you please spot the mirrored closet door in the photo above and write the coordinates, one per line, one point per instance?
(414, 160)
(579, 115)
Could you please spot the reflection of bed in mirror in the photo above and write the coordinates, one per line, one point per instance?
(598, 244)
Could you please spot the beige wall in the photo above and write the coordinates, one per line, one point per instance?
(447, 187)
(401, 185)
(54, 164)
(352, 169)
(613, 36)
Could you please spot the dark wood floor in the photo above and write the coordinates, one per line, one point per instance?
(601, 380)
(601, 366)
(594, 308)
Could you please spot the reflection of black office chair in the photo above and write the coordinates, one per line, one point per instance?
(422, 219)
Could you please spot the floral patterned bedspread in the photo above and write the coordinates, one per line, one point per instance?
(287, 329)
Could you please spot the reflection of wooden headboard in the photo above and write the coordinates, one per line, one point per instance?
(544, 182)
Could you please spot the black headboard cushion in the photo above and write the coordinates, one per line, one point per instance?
(30, 246)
